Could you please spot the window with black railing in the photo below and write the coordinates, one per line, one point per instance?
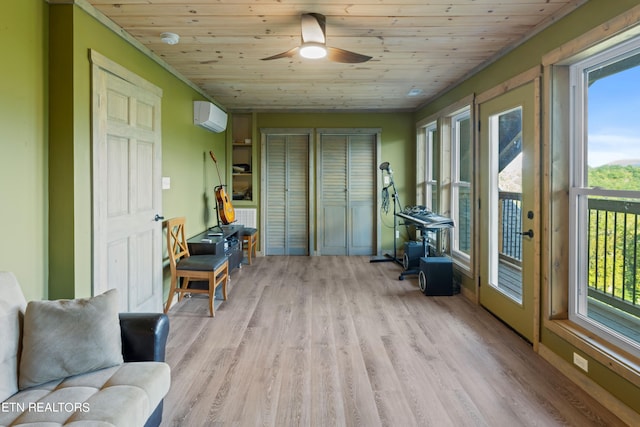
(605, 195)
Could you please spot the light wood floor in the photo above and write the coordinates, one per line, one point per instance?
(339, 341)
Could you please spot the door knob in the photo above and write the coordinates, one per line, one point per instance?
(158, 218)
(527, 233)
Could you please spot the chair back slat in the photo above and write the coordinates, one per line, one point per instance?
(176, 241)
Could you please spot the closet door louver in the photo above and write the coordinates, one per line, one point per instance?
(347, 194)
(287, 195)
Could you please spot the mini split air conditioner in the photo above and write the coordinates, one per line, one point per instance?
(209, 116)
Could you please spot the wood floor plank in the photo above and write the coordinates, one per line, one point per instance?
(340, 341)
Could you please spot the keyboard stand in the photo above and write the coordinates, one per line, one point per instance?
(424, 224)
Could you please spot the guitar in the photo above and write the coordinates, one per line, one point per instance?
(225, 208)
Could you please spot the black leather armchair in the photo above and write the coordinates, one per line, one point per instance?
(144, 339)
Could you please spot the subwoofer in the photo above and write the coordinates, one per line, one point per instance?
(436, 276)
(413, 251)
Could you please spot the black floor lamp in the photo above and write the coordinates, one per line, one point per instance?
(386, 167)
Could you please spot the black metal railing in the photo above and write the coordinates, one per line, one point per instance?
(510, 212)
(463, 224)
(614, 253)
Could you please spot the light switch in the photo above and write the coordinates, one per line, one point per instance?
(166, 182)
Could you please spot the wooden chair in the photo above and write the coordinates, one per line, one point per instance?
(211, 268)
(250, 242)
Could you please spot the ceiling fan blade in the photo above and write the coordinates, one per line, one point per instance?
(340, 55)
(288, 54)
(312, 26)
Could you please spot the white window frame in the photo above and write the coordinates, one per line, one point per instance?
(463, 258)
(442, 175)
(426, 179)
(429, 131)
(579, 193)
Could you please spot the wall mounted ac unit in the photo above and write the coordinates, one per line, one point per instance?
(209, 116)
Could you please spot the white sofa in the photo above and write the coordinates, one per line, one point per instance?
(71, 362)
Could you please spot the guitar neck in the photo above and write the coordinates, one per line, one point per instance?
(216, 163)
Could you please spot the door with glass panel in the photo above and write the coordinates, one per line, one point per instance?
(509, 214)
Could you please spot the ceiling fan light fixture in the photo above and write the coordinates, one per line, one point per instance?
(312, 50)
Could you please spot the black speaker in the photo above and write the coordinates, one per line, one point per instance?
(413, 251)
(436, 276)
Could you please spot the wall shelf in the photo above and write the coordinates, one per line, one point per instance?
(242, 157)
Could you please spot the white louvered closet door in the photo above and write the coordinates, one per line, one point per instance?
(347, 194)
(287, 195)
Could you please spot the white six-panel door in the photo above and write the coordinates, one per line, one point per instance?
(127, 194)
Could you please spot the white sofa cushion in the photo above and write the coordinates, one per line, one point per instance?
(12, 306)
(69, 337)
(120, 396)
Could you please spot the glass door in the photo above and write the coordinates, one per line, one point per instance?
(509, 272)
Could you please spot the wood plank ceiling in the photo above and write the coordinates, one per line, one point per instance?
(426, 46)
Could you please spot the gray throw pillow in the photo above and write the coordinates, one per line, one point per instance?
(69, 337)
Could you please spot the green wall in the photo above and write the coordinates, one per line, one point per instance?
(23, 143)
(523, 58)
(397, 146)
(73, 34)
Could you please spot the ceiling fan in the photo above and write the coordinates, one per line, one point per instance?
(314, 44)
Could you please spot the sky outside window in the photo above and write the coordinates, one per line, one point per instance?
(614, 117)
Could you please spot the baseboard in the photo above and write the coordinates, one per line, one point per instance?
(470, 295)
(609, 401)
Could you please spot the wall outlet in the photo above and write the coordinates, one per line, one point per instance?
(386, 180)
(581, 362)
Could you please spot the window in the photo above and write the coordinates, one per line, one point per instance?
(461, 174)
(431, 185)
(604, 195)
(444, 171)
